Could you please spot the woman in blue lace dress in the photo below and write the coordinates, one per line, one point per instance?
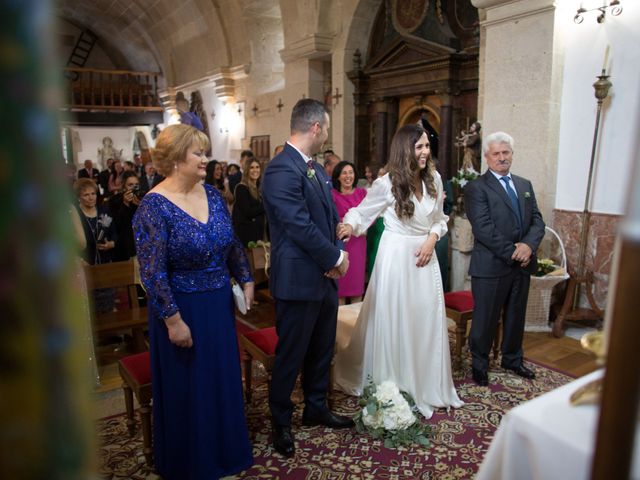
(187, 253)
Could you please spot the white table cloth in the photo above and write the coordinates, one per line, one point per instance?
(547, 438)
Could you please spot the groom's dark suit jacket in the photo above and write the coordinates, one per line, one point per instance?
(302, 223)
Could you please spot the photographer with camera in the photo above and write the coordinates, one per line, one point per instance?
(123, 206)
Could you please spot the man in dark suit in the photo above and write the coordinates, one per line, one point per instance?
(507, 228)
(306, 259)
(88, 171)
(150, 179)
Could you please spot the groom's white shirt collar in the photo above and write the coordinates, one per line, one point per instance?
(303, 155)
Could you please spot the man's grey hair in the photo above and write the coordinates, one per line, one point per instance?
(305, 113)
(497, 137)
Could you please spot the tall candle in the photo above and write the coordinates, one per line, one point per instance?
(606, 59)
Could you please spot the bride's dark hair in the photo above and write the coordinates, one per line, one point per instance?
(402, 166)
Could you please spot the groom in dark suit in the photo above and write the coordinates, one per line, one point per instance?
(507, 228)
(306, 260)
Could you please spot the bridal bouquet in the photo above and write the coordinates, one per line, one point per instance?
(388, 413)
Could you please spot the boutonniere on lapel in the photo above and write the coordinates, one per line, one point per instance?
(527, 195)
(311, 173)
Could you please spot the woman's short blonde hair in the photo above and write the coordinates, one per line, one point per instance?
(83, 184)
(172, 145)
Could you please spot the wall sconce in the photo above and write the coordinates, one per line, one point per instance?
(614, 9)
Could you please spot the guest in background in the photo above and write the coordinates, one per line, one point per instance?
(225, 168)
(150, 179)
(88, 171)
(345, 196)
(507, 229)
(129, 166)
(234, 176)
(115, 179)
(370, 174)
(278, 149)
(103, 178)
(188, 253)
(401, 332)
(215, 177)
(330, 163)
(123, 206)
(97, 223)
(248, 211)
(99, 237)
(139, 167)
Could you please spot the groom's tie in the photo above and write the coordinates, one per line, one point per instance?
(513, 198)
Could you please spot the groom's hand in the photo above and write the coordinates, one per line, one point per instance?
(344, 266)
(340, 270)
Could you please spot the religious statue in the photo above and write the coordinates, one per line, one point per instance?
(187, 117)
(107, 151)
(471, 142)
(197, 107)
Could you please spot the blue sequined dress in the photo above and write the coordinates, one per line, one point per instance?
(199, 427)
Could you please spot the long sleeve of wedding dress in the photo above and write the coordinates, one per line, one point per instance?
(401, 332)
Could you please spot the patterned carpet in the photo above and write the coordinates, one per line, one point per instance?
(461, 437)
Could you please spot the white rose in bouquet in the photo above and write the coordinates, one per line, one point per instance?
(387, 413)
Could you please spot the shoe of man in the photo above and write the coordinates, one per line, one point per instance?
(480, 377)
(327, 419)
(521, 370)
(283, 440)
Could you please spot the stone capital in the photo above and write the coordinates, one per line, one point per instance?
(498, 11)
(223, 78)
(312, 46)
(167, 98)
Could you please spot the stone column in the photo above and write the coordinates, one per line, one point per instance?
(304, 72)
(382, 146)
(521, 85)
(446, 136)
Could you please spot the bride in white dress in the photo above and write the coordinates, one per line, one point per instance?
(401, 331)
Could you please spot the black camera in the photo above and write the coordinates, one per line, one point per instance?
(135, 189)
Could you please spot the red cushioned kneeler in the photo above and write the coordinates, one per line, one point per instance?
(135, 371)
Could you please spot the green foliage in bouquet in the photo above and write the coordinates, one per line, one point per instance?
(388, 414)
(545, 266)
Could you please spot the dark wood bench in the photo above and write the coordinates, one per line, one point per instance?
(128, 314)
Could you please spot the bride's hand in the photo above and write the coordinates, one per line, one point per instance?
(425, 252)
(344, 231)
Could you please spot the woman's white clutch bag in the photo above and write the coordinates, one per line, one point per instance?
(238, 298)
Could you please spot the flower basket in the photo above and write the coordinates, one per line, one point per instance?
(541, 288)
